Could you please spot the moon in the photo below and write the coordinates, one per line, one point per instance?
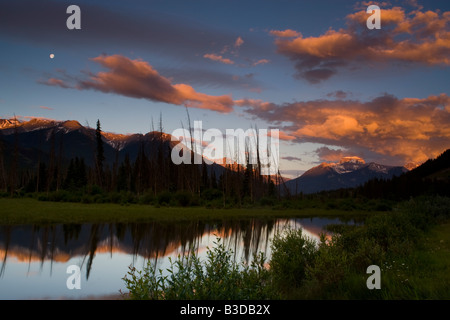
(52, 56)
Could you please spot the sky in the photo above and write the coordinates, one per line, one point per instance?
(311, 69)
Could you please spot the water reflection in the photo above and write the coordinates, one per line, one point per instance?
(84, 243)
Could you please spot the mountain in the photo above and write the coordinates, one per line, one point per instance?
(349, 172)
(37, 137)
(37, 140)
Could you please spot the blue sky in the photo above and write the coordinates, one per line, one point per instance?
(325, 86)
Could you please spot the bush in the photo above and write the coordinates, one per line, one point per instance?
(329, 269)
(267, 201)
(292, 255)
(211, 194)
(164, 198)
(147, 198)
(115, 197)
(183, 198)
(94, 190)
(217, 278)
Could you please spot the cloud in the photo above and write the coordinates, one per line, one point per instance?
(212, 78)
(216, 57)
(46, 108)
(288, 33)
(339, 94)
(284, 136)
(239, 42)
(290, 158)
(138, 79)
(329, 155)
(261, 61)
(400, 130)
(409, 37)
(55, 82)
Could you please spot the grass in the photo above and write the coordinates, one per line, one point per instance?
(30, 211)
(425, 273)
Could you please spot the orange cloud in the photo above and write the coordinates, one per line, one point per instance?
(288, 33)
(406, 130)
(216, 57)
(284, 136)
(261, 61)
(415, 37)
(138, 79)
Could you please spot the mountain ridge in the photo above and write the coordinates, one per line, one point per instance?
(349, 172)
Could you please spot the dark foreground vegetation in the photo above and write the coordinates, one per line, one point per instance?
(411, 245)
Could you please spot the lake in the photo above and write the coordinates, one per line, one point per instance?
(34, 259)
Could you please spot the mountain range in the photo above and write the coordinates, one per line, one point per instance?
(37, 140)
(349, 172)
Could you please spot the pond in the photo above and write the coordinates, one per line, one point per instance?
(34, 260)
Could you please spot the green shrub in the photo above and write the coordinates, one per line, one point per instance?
(164, 198)
(217, 278)
(147, 198)
(211, 194)
(292, 255)
(267, 201)
(115, 197)
(183, 198)
(94, 190)
(329, 268)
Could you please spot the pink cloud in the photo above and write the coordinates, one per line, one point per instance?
(138, 79)
(219, 58)
(261, 61)
(45, 108)
(55, 82)
(239, 42)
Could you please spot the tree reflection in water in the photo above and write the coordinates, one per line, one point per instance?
(149, 240)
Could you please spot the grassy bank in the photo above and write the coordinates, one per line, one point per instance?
(31, 211)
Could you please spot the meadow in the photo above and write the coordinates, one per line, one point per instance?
(32, 209)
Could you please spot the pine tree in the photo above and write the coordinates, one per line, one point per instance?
(3, 183)
(100, 158)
